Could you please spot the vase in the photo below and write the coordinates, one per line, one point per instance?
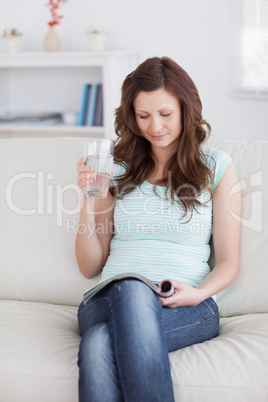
(12, 43)
(52, 41)
(97, 41)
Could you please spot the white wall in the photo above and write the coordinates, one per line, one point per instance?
(196, 33)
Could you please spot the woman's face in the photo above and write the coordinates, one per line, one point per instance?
(158, 115)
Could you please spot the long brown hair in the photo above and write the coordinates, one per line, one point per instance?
(186, 174)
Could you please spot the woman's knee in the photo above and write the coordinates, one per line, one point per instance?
(135, 308)
(95, 345)
(135, 292)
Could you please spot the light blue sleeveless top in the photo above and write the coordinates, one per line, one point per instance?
(152, 240)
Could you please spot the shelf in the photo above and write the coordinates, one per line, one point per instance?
(60, 59)
(31, 131)
(61, 128)
(54, 81)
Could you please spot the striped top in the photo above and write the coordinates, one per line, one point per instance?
(152, 240)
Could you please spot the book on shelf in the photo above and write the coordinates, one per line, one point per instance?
(91, 107)
(98, 121)
(84, 112)
(33, 118)
(91, 111)
(81, 119)
(164, 289)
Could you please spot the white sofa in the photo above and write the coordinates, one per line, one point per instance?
(41, 287)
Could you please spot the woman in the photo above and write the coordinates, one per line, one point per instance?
(167, 185)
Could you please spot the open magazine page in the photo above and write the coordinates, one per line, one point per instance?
(165, 290)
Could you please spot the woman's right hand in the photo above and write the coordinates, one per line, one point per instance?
(85, 174)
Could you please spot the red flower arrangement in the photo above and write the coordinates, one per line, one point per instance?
(54, 6)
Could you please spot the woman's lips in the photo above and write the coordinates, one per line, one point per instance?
(158, 137)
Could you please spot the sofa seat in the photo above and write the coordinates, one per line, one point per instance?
(232, 367)
(38, 352)
(39, 349)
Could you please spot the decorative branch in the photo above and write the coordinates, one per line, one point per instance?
(54, 6)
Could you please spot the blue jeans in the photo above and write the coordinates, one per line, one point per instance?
(126, 337)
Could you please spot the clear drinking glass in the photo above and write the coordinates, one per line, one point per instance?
(99, 154)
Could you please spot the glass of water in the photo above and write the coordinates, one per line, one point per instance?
(99, 155)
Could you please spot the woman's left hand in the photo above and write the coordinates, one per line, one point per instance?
(184, 295)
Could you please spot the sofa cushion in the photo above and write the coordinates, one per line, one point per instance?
(39, 219)
(38, 358)
(38, 352)
(230, 367)
(248, 293)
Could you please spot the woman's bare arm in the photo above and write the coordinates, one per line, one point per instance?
(226, 239)
(95, 228)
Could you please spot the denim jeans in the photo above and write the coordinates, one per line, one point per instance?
(126, 337)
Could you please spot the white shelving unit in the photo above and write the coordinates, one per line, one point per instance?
(40, 81)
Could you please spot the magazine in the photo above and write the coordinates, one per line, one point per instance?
(31, 118)
(164, 289)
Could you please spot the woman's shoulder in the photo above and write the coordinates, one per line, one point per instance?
(214, 154)
(217, 161)
(118, 170)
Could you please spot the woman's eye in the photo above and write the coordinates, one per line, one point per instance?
(166, 114)
(143, 117)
